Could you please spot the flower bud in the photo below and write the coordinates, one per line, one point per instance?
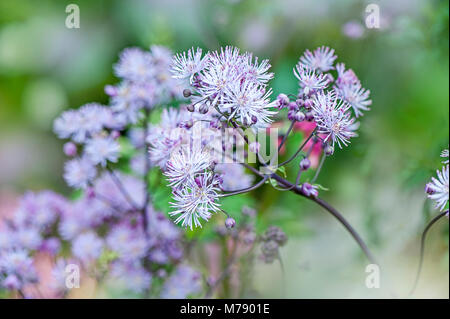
(308, 104)
(110, 90)
(299, 116)
(283, 100)
(115, 134)
(293, 106)
(328, 149)
(305, 164)
(230, 222)
(187, 93)
(190, 108)
(70, 149)
(309, 116)
(203, 109)
(254, 119)
(309, 190)
(429, 189)
(299, 102)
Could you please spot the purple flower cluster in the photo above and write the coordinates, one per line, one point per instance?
(113, 219)
(232, 84)
(326, 101)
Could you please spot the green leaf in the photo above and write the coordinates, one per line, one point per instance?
(282, 169)
(322, 188)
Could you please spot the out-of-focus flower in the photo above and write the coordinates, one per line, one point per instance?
(135, 65)
(79, 172)
(87, 247)
(183, 283)
(353, 29)
(233, 176)
(100, 150)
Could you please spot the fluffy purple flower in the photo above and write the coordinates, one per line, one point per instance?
(100, 150)
(233, 176)
(135, 65)
(309, 79)
(79, 172)
(322, 59)
(185, 66)
(196, 200)
(185, 163)
(132, 276)
(333, 119)
(87, 247)
(183, 283)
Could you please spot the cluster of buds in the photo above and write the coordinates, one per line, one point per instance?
(272, 240)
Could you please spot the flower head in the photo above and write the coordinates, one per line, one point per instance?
(437, 189)
(134, 65)
(185, 163)
(79, 172)
(102, 149)
(321, 59)
(333, 119)
(248, 103)
(196, 200)
(187, 65)
(309, 79)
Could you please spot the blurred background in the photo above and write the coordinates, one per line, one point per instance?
(377, 182)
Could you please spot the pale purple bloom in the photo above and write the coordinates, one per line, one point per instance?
(257, 72)
(322, 59)
(353, 29)
(356, 96)
(16, 262)
(28, 238)
(248, 103)
(79, 125)
(309, 79)
(184, 65)
(128, 242)
(134, 65)
(59, 275)
(333, 119)
(437, 189)
(79, 172)
(345, 77)
(196, 200)
(233, 176)
(11, 282)
(87, 247)
(183, 283)
(132, 276)
(110, 191)
(100, 150)
(185, 163)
